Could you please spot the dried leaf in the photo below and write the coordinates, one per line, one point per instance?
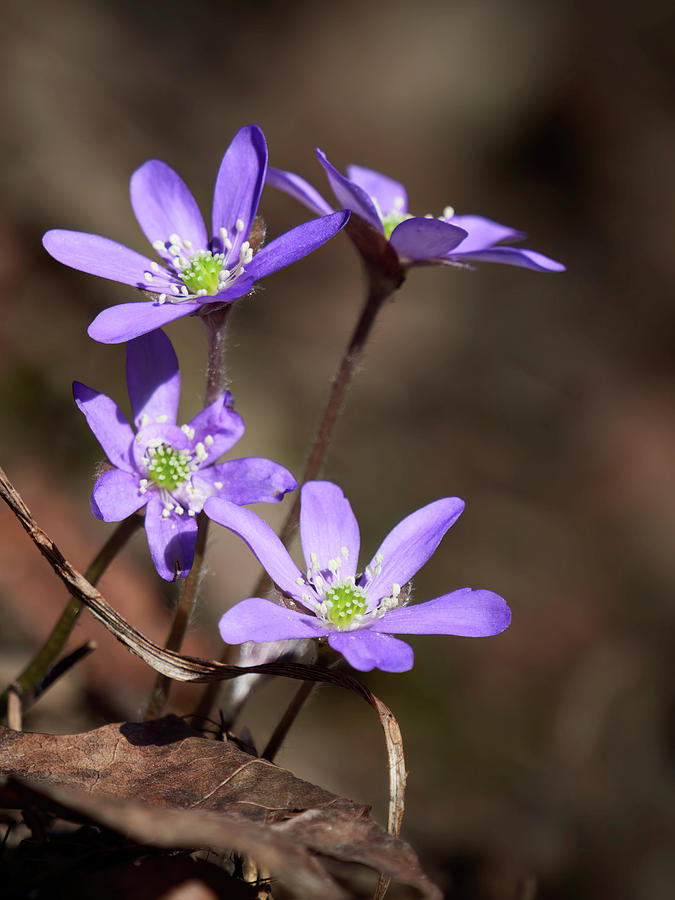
(166, 786)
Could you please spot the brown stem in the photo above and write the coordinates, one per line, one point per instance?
(378, 292)
(215, 384)
(181, 619)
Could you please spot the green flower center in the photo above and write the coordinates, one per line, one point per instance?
(169, 468)
(346, 601)
(202, 275)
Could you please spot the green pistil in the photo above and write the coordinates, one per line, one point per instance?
(202, 273)
(392, 219)
(346, 602)
(169, 468)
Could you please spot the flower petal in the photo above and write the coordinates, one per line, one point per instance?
(260, 620)
(365, 650)
(409, 545)
(98, 256)
(350, 195)
(111, 428)
(510, 256)
(250, 480)
(328, 528)
(130, 320)
(389, 195)
(464, 612)
(420, 238)
(163, 205)
(298, 188)
(116, 496)
(238, 186)
(268, 549)
(295, 244)
(217, 428)
(483, 233)
(171, 540)
(153, 378)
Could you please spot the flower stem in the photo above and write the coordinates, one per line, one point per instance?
(379, 291)
(29, 681)
(381, 285)
(186, 603)
(215, 384)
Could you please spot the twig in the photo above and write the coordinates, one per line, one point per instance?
(64, 665)
(14, 711)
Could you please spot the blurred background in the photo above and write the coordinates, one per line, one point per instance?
(540, 760)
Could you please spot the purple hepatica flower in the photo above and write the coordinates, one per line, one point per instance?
(357, 613)
(383, 203)
(170, 469)
(195, 272)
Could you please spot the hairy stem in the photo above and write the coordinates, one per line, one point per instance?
(215, 384)
(29, 681)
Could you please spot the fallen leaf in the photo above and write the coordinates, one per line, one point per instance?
(164, 785)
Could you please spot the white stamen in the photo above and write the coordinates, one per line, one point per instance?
(208, 440)
(239, 225)
(159, 246)
(148, 276)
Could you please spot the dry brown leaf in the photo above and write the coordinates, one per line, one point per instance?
(164, 785)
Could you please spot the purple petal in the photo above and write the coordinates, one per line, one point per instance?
(260, 620)
(483, 233)
(217, 428)
(116, 496)
(409, 545)
(295, 244)
(171, 540)
(298, 188)
(510, 256)
(268, 549)
(111, 428)
(389, 195)
(153, 378)
(238, 186)
(130, 320)
(350, 195)
(420, 238)
(98, 256)
(250, 480)
(465, 612)
(328, 528)
(365, 650)
(164, 205)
